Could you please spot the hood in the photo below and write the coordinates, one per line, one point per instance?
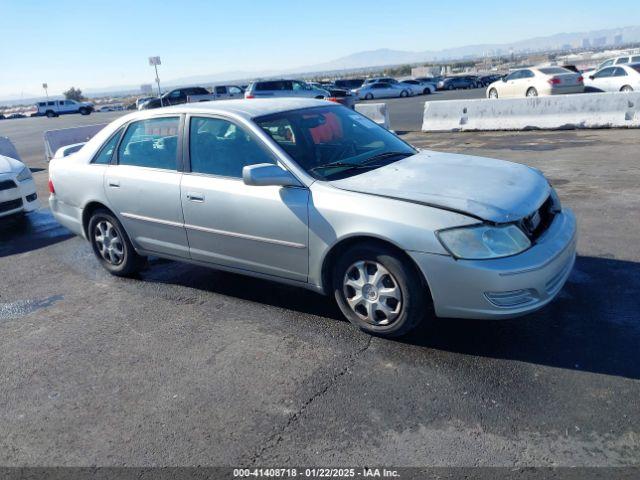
(488, 189)
(8, 165)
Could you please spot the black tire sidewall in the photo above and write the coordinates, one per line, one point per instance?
(414, 296)
(132, 261)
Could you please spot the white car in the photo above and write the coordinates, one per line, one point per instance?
(54, 108)
(620, 78)
(417, 87)
(622, 60)
(531, 82)
(369, 91)
(17, 188)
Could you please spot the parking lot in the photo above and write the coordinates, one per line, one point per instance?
(190, 366)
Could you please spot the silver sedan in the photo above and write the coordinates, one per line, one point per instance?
(369, 91)
(313, 194)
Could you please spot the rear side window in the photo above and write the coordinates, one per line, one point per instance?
(151, 143)
(221, 90)
(220, 147)
(622, 60)
(275, 85)
(554, 71)
(635, 59)
(105, 154)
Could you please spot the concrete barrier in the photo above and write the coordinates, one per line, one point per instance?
(589, 110)
(54, 139)
(8, 149)
(375, 111)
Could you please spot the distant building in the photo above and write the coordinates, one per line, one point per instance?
(600, 41)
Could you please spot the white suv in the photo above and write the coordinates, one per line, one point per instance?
(53, 108)
(284, 88)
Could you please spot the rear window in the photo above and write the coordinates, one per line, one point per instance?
(554, 71)
(277, 85)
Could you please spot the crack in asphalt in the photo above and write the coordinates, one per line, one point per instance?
(277, 437)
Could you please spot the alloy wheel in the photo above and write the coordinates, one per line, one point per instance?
(372, 292)
(108, 242)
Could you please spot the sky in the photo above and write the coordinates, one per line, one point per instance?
(94, 44)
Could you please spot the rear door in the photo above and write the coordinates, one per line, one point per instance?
(260, 229)
(143, 185)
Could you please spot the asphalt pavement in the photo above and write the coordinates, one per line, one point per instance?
(189, 366)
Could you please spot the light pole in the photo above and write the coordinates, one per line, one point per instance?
(154, 62)
(45, 86)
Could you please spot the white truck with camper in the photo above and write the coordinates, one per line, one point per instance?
(54, 108)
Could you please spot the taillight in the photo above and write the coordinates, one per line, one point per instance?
(51, 189)
(580, 79)
(332, 99)
(249, 96)
(554, 81)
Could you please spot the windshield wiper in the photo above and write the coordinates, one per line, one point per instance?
(354, 166)
(382, 156)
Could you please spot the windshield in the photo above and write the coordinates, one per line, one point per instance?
(334, 142)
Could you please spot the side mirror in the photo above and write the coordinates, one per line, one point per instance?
(264, 174)
(504, 79)
(591, 77)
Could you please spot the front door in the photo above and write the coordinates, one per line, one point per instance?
(143, 186)
(259, 229)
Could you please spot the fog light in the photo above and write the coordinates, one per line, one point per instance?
(513, 298)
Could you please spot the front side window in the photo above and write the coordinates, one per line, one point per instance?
(151, 143)
(221, 90)
(604, 73)
(606, 64)
(334, 142)
(220, 147)
(513, 76)
(106, 152)
(68, 102)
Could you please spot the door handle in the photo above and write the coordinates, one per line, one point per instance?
(114, 183)
(195, 197)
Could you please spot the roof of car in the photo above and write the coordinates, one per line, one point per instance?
(247, 108)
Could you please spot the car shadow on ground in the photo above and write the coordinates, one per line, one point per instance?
(30, 232)
(593, 324)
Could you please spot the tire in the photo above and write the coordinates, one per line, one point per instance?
(426, 91)
(51, 114)
(406, 306)
(84, 111)
(450, 87)
(493, 93)
(404, 94)
(368, 96)
(627, 88)
(121, 259)
(532, 92)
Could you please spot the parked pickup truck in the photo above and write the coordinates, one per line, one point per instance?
(53, 108)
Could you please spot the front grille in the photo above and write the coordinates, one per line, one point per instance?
(10, 205)
(539, 221)
(7, 185)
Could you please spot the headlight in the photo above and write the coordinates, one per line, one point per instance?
(484, 241)
(25, 174)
